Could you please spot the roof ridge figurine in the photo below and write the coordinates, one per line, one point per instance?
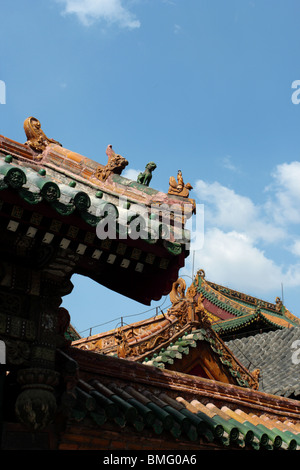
(36, 138)
(116, 164)
(146, 176)
(178, 187)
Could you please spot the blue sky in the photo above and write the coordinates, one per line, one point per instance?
(201, 85)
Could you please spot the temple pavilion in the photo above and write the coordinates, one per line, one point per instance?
(178, 381)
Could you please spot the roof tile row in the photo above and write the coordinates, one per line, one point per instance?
(140, 408)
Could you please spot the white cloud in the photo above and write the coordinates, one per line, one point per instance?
(231, 258)
(284, 202)
(111, 11)
(295, 248)
(177, 28)
(226, 209)
(131, 174)
(248, 246)
(227, 163)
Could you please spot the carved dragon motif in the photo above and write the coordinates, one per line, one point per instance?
(178, 291)
(115, 165)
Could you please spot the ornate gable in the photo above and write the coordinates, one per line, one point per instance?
(181, 340)
(231, 312)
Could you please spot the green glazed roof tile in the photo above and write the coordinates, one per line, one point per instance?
(164, 412)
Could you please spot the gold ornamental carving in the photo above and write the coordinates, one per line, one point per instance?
(178, 188)
(115, 165)
(196, 309)
(178, 291)
(279, 305)
(123, 349)
(36, 138)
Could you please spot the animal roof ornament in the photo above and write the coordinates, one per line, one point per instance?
(178, 187)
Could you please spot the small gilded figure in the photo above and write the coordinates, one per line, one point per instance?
(178, 187)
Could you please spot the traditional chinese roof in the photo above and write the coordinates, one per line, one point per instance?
(59, 199)
(143, 406)
(59, 396)
(193, 344)
(105, 402)
(176, 340)
(181, 339)
(232, 312)
(276, 354)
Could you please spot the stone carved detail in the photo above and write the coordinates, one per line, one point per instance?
(146, 176)
(36, 405)
(33, 325)
(178, 188)
(10, 304)
(36, 139)
(115, 165)
(17, 352)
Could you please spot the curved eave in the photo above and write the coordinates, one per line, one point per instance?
(234, 324)
(35, 186)
(152, 261)
(237, 324)
(276, 320)
(215, 295)
(229, 308)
